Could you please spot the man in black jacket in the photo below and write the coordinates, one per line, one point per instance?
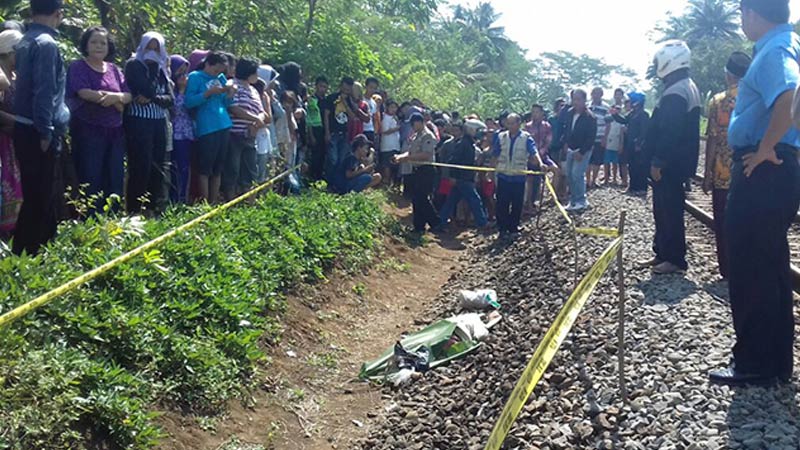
(42, 118)
(673, 140)
(463, 154)
(636, 123)
(579, 137)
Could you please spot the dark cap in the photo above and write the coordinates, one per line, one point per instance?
(776, 11)
(416, 117)
(738, 63)
(359, 141)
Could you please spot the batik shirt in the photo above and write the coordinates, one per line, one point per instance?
(718, 153)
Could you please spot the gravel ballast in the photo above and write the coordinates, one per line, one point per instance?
(677, 328)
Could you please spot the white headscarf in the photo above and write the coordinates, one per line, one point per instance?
(8, 40)
(160, 57)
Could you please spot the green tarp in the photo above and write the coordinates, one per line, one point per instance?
(446, 340)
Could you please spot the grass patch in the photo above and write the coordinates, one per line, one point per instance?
(180, 328)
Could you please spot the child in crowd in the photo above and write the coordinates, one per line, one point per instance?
(614, 138)
(486, 184)
(264, 150)
(182, 132)
(355, 174)
(286, 127)
(390, 142)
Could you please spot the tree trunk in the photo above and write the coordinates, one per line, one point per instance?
(312, 5)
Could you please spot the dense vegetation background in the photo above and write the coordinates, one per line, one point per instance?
(452, 57)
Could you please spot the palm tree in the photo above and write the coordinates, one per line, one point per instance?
(712, 19)
(479, 26)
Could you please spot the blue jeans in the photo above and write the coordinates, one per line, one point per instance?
(464, 190)
(99, 154)
(358, 183)
(337, 152)
(576, 176)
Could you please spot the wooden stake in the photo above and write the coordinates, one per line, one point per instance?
(621, 326)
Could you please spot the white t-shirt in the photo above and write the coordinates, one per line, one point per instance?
(373, 108)
(389, 142)
(614, 141)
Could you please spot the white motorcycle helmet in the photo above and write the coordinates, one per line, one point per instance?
(673, 55)
(474, 127)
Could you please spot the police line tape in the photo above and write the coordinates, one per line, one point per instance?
(474, 168)
(560, 207)
(548, 347)
(51, 295)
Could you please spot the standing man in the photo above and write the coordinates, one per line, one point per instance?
(512, 150)
(579, 137)
(316, 129)
(421, 182)
(600, 112)
(542, 133)
(463, 153)
(718, 153)
(42, 119)
(763, 200)
(673, 140)
(337, 112)
(636, 123)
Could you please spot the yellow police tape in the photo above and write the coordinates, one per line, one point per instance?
(48, 297)
(547, 348)
(475, 168)
(555, 199)
(599, 231)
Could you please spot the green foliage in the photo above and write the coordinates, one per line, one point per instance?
(180, 327)
(461, 60)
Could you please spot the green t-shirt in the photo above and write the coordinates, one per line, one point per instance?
(314, 117)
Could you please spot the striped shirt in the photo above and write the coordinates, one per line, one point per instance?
(600, 113)
(247, 98)
(149, 110)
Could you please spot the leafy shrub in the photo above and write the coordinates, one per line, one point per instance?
(180, 327)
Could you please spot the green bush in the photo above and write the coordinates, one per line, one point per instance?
(180, 327)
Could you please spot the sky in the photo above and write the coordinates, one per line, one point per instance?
(614, 30)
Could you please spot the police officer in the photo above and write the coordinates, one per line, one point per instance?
(421, 183)
(763, 200)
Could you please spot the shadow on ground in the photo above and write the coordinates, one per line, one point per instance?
(667, 289)
(764, 418)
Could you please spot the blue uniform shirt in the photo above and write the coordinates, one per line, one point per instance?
(774, 71)
(530, 145)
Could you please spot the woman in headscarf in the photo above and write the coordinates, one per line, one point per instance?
(182, 131)
(10, 181)
(147, 75)
(97, 96)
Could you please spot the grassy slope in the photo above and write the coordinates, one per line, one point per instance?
(179, 328)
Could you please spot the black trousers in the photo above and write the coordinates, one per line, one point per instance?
(639, 168)
(760, 210)
(668, 203)
(510, 198)
(720, 200)
(421, 185)
(316, 159)
(147, 147)
(42, 190)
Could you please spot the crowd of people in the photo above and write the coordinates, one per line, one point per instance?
(208, 127)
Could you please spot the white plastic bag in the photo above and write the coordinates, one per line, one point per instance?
(479, 300)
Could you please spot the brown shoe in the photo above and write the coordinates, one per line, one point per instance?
(666, 268)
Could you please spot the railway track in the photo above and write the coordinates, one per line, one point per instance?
(699, 205)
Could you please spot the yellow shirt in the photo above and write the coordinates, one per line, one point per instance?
(718, 153)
